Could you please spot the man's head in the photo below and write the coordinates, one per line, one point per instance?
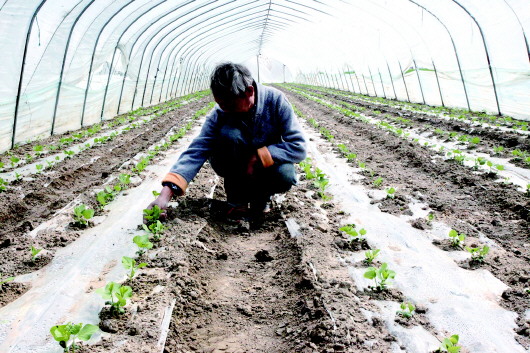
(232, 88)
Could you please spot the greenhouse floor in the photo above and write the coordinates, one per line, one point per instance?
(293, 282)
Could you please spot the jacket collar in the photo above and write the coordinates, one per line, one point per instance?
(260, 93)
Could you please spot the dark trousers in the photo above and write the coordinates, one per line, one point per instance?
(230, 159)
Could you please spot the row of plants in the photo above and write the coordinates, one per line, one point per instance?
(470, 142)
(380, 275)
(443, 112)
(13, 160)
(116, 294)
(453, 155)
(39, 168)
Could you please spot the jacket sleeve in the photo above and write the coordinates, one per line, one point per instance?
(292, 149)
(191, 160)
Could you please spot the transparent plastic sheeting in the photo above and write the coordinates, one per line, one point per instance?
(78, 62)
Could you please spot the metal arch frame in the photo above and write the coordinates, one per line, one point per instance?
(64, 62)
(454, 49)
(173, 77)
(152, 37)
(391, 80)
(193, 50)
(522, 29)
(147, 42)
(132, 47)
(487, 54)
(185, 48)
(267, 20)
(95, 47)
(169, 55)
(160, 60)
(21, 77)
(419, 81)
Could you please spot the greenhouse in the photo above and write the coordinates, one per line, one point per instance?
(265, 176)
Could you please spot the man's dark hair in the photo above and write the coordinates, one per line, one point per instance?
(230, 81)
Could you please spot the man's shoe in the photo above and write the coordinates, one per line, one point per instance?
(237, 212)
(260, 207)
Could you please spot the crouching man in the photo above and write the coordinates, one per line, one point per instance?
(251, 138)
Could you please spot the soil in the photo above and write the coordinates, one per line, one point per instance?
(470, 203)
(31, 202)
(247, 289)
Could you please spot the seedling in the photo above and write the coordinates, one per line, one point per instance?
(498, 149)
(157, 229)
(39, 168)
(143, 243)
(3, 184)
(479, 161)
(456, 239)
(450, 345)
(130, 265)
(430, 217)
(527, 189)
(125, 179)
(475, 140)
(390, 193)
(82, 215)
(116, 296)
(38, 149)
(407, 310)
(14, 160)
(5, 280)
(478, 254)
(34, 252)
(155, 193)
(378, 182)
(2, 165)
(370, 255)
(380, 276)
(67, 334)
(18, 177)
(69, 154)
(151, 215)
(353, 233)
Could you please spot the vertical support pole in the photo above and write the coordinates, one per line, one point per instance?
(419, 81)
(365, 86)
(404, 82)
(438, 82)
(372, 78)
(391, 80)
(257, 62)
(381, 78)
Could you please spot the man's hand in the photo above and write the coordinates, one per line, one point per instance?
(253, 164)
(162, 201)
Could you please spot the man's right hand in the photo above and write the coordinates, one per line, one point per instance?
(162, 201)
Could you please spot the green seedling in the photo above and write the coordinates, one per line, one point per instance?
(518, 154)
(82, 215)
(125, 179)
(407, 310)
(361, 165)
(478, 254)
(155, 193)
(18, 177)
(2, 165)
(378, 182)
(38, 148)
(527, 189)
(351, 157)
(370, 255)
(479, 161)
(69, 154)
(430, 217)
(456, 239)
(3, 184)
(450, 345)
(116, 296)
(151, 215)
(157, 229)
(380, 276)
(353, 233)
(50, 163)
(34, 252)
(143, 243)
(5, 280)
(67, 334)
(105, 196)
(14, 160)
(498, 149)
(39, 168)
(475, 140)
(130, 265)
(390, 193)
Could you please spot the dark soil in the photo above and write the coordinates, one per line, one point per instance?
(34, 201)
(470, 203)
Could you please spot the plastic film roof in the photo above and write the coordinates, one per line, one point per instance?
(67, 64)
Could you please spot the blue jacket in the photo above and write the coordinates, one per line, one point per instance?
(276, 135)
